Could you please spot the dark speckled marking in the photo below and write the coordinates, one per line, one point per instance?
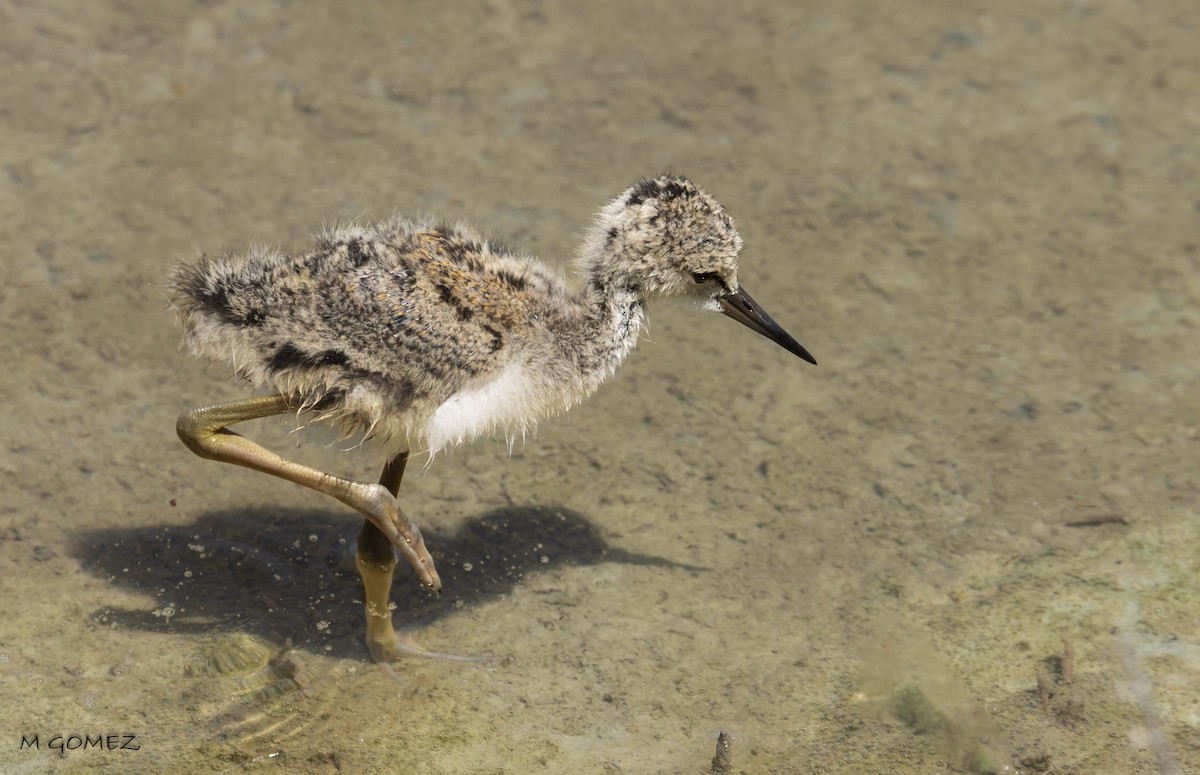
(448, 297)
(644, 190)
(672, 190)
(402, 277)
(465, 254)
(497, 338)
(330, 358)
(663, 189)
(403, 392)
(217, 300)
(357, 253)
(511, 280)
(291, 357)
(285, 357)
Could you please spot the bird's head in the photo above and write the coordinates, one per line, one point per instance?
(665, 236)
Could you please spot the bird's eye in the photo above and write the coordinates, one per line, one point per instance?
(703, 277)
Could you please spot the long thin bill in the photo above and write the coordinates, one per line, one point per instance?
(742, 307)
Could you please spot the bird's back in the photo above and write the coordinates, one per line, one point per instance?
(379, 326)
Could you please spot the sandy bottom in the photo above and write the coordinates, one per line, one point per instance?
(966, 542)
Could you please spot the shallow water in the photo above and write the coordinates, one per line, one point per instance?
(981, 219)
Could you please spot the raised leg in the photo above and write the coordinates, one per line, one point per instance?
(205, 431)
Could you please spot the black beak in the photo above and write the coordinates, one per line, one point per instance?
(740, 306)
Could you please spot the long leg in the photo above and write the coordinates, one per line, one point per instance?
(376, 561)
(205, 431)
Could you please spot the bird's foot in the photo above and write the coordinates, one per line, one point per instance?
(388, 647)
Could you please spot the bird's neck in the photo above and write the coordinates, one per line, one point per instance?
(613, 317)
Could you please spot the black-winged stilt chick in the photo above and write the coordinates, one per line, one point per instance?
(425, 336)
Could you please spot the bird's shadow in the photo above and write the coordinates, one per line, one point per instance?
(289, 575)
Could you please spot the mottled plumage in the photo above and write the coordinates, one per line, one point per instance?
(428, 335)
(380, 326)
